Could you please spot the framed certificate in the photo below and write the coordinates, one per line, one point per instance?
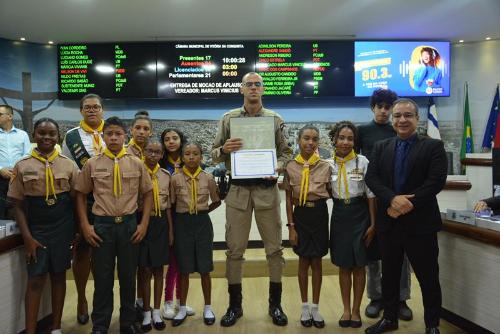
(251, 164)
(255, 132)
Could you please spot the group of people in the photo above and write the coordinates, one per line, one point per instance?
(145, 204)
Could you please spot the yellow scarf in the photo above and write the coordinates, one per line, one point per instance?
(134, 144)
(156, 189)
(304, 180)
(175, 163)
(49, 176)
(343, 172)
(194, 192)
(117, 180)
(96, 137)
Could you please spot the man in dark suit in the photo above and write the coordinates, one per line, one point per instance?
(406, 173)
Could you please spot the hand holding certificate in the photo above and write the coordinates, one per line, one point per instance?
(257, 156)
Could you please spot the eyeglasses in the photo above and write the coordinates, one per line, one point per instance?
(253, 83)
(95, 107)
(408, 115)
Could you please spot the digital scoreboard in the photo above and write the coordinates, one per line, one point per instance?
(306, 68)
(118, 70)
(203, 69)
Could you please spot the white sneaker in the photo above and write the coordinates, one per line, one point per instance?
(168, 310)
(56, 331)
(189, 310)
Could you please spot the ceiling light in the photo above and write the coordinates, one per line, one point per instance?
(461, 41)
(51, 42)
(22, 39)
(488, 38)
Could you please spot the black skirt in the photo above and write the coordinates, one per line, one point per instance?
(53, 226)
(348, 226)
(311, 224)
(154, 248)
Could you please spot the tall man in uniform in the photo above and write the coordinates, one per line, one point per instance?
(378, 129)
(80, 144)
(14, 144)
(406, 173)
(252, 195)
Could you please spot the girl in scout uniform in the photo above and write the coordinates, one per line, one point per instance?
(172, 140)
(41, 188)
(307, 185)
(154, 248)
(353, 218)
(190, 191)
(141, 130)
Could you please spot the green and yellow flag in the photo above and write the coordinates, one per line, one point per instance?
(467, 143)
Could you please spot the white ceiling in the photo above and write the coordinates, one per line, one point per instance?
(149, 20)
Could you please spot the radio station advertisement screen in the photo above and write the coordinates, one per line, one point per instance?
(417, 68)
(203, 69)
(118, 70)
(306, 68)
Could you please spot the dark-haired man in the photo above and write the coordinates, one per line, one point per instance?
(14, 144)
(378, 129)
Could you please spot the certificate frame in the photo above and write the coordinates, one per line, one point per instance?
(251, 164)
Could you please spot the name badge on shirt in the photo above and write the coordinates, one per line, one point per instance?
(356, 174)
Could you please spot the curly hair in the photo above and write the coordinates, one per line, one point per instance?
(381, 97)
(334, 132)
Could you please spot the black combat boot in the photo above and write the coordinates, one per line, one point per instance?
(275, 310)
(234, 311)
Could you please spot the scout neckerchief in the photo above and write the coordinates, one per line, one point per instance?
(96, 137)
(117, 180)
(156, 188)
(343, 172)
(304, 180)
(175, 163)
(49, 176)
(134, 144)
(194, 193)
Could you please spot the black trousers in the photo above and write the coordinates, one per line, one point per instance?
(4, 187)
(422, 252)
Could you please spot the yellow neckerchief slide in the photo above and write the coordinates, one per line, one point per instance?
(117, 179)
(175, 163)
(156, 188)
(134, 144)
(193, 209)
(343, 172)
(96, 137)
(304, 180)
(49, 176)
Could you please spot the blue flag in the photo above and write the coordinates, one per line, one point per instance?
(491, 126)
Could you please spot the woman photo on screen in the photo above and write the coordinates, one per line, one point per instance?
(428, 75)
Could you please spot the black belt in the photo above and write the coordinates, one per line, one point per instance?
(310, 204)
(349, 201)
(115, 219)
(200, 212)
(253, 182)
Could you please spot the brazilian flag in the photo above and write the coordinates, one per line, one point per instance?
(467, 143)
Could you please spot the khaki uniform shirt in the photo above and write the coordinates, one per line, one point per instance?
(283, 151)
(164, 184)
(180, 191)
(319, 180)
(131, 149)
(29, 177)
(97, 177)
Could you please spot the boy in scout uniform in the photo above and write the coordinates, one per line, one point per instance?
(115, 178)
(252, 195)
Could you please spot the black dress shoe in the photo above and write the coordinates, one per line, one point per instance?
(307, 322)
(177, 322)
(356, 323)
(209, 321)
(432, 330)
(231, 316)
(405, 313)
(319, 323)
(132, 329)
(279, 317)
(382, 326)
(159, 326)
(146, 328)
(345, 323)
(82, 318)
(98, 331)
